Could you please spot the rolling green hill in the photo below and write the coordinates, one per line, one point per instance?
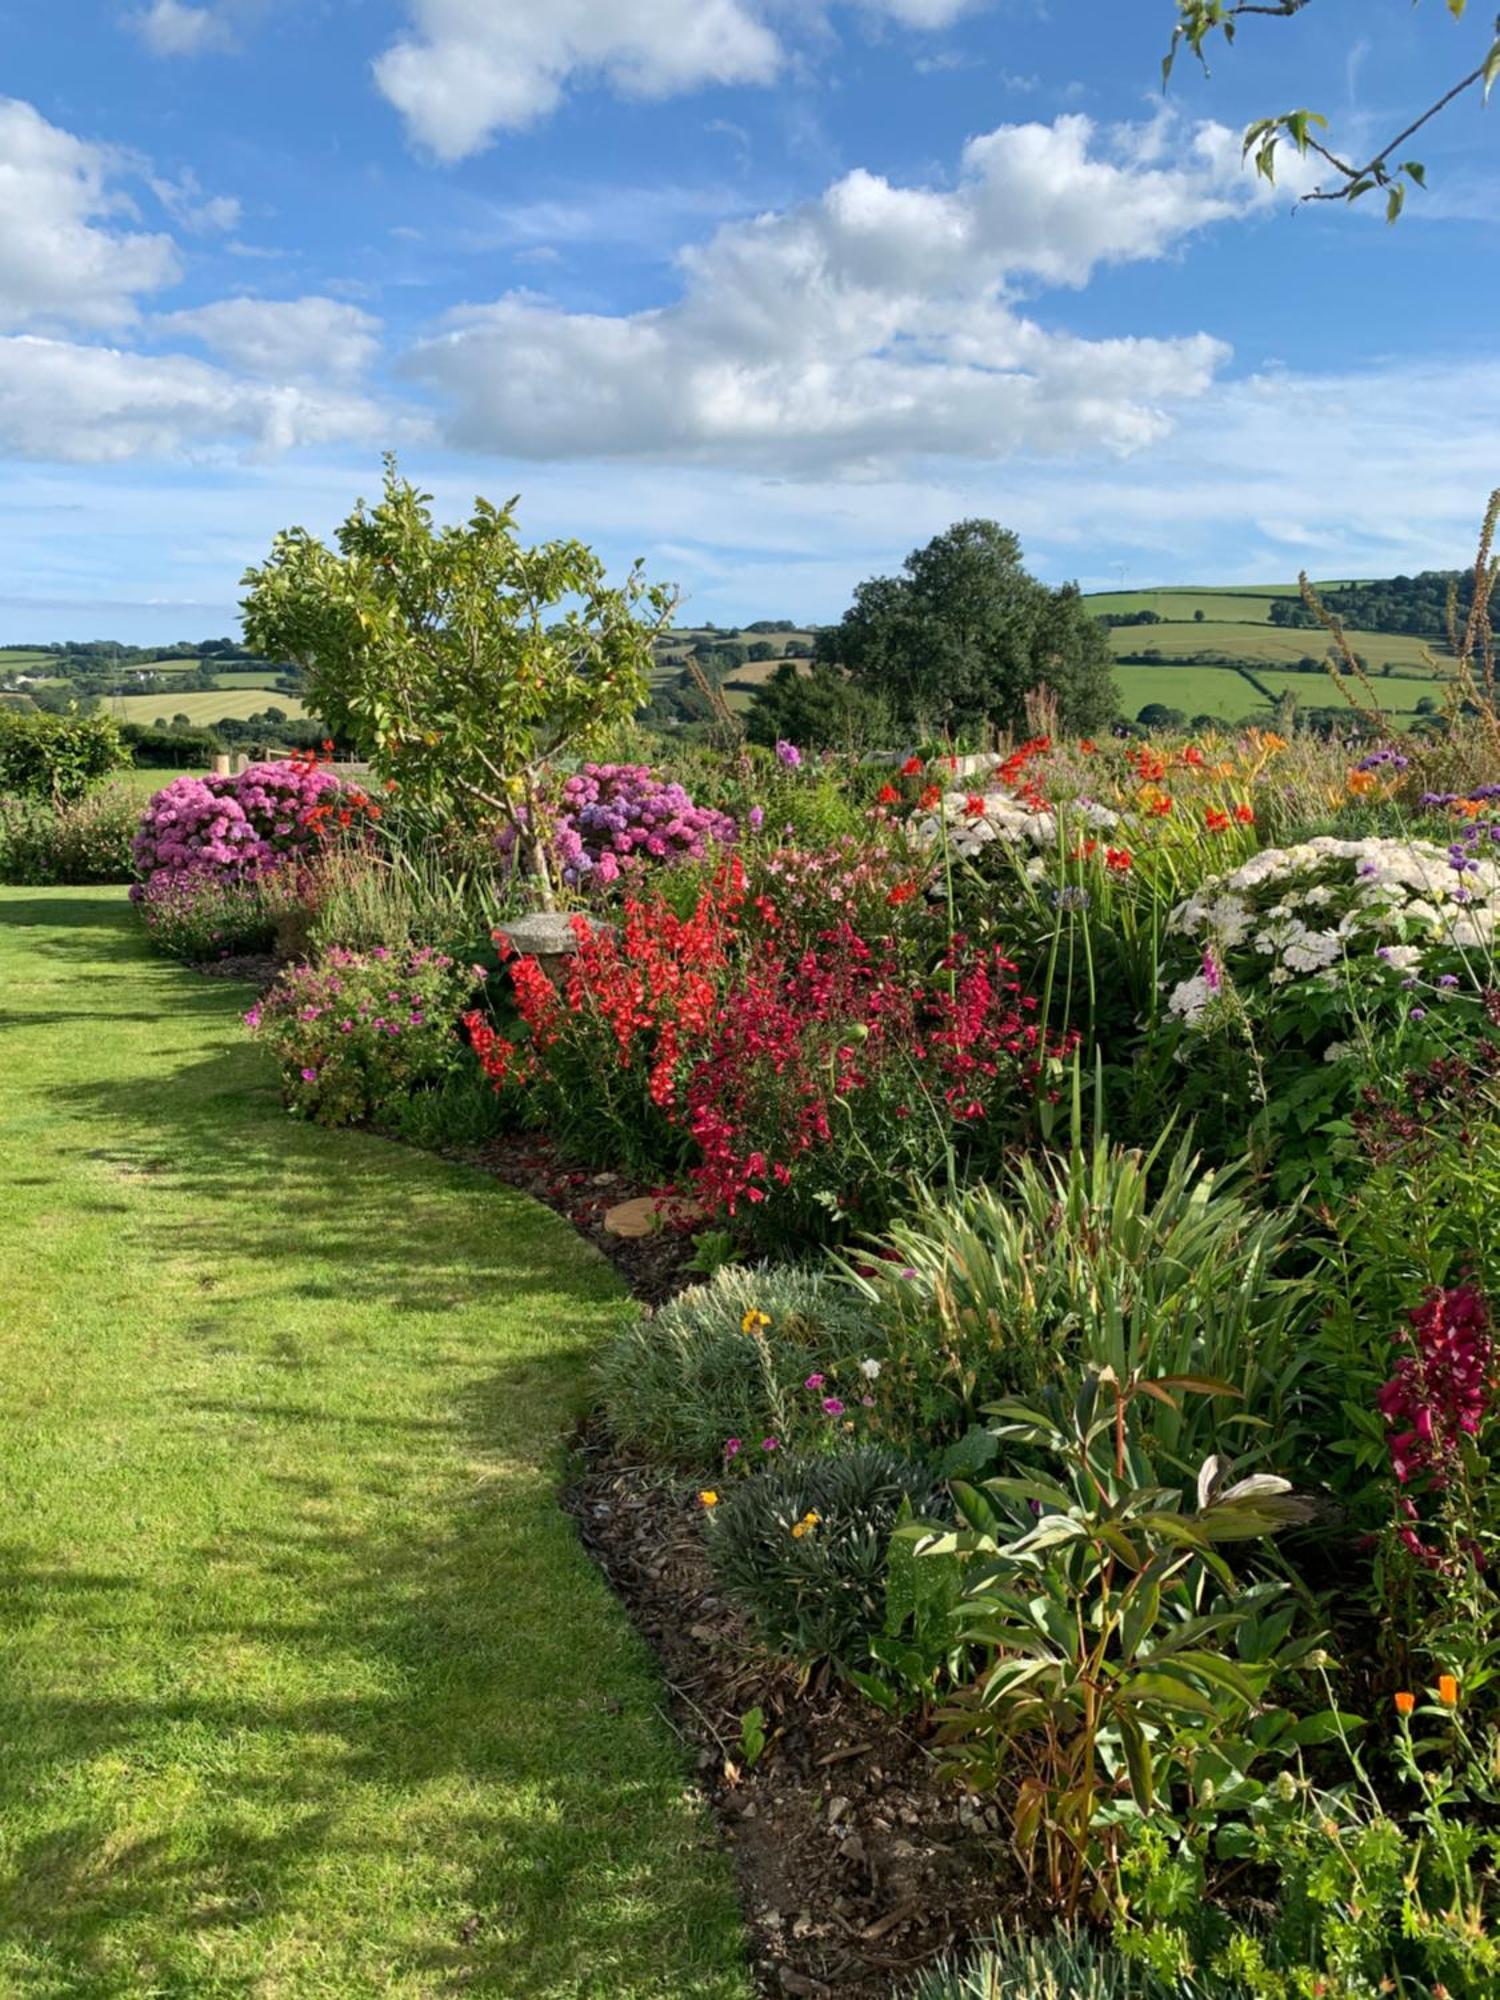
(1194, 664)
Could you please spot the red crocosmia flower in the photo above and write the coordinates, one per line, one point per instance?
(1119, 859)
(888, 796)
(912, 768)
(1244, 815)
(930, 796)
(1193, 756)
(902, 893)
(1216, 821)
(974, 806)
(1088, 746)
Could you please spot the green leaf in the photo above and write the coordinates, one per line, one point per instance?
(1395, 201)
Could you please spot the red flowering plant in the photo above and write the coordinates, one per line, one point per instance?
(877, 884)
(600, 1060)
(1442, 1423)
(836, 1077)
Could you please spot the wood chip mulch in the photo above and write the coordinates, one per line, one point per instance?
(857, 1865)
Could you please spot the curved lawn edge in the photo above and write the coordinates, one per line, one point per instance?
(306, 1683)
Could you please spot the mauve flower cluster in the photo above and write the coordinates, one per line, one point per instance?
(613, 818)
(361, 1032)
(230, 828)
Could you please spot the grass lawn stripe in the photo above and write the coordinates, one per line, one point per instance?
(306, 1686)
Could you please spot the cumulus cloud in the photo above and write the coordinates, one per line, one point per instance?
(283, 340)
(475, 67)
(875, 322)
(60, 400)
(63, 253)
(176, 28)
(472, 68)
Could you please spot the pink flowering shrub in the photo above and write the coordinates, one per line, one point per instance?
(359, 1034)
(610, 820)
(1435, 1406)
(235, 828)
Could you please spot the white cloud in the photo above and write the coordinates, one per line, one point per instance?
(476, 67)
(202, 214)
(472, 68)
(876, 322)
(100, 405)
(176, 28)
(283, 340)
(62, 257)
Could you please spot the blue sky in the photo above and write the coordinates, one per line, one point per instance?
(763, 291)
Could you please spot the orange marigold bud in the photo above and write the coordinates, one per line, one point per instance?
(1405, 1703)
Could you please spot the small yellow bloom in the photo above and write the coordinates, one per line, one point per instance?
(1448, 1690)
(805, 1526)
(755, 1322)
(709, 1497)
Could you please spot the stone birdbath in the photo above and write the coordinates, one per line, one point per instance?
(548, 936)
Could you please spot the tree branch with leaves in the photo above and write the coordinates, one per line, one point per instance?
(1201, 21)
(458, 659)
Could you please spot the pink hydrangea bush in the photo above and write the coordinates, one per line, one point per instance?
(233, 829)
(613, 819)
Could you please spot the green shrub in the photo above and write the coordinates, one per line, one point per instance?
(77, 842)
(364, 897)
(200, 917)
(1105, 1258)
(57, 757)
(803, 1548)
(1065, 1966)
(358, 1036)
(729, 1361)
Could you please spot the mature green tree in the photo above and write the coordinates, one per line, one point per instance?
(1201, 22)
(965, 633)
(822, 710)
(446, 653)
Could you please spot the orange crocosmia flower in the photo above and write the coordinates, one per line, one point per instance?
(1405, 1703)
(1448, 1690)
(1215, 821)
(1361, 782)
(1468, 808)
(1244, 815)
(1087, 746)
(1193, 756)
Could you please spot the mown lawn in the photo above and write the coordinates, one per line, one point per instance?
(306, 1687)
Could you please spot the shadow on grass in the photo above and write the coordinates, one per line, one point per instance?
(495, 1682)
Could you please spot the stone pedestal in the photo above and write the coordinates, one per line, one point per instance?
(549, 938)
(222, 765)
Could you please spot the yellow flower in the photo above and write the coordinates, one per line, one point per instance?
(755, 1322)
(709, 1497)
(1448, 1690)
(805, 1526)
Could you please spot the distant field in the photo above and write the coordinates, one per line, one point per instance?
(1251, 603)
(1269, 644)
(1195, 690)
(240, 704)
